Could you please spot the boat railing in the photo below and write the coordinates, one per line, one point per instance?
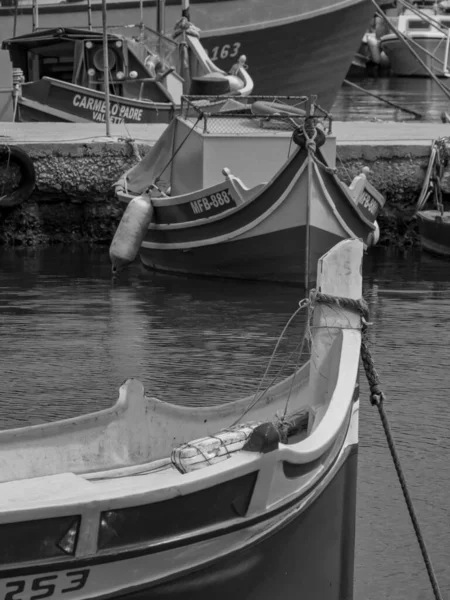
(229, 114)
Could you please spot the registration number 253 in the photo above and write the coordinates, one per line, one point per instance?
(44, 586)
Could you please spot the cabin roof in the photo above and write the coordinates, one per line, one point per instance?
(42, 37)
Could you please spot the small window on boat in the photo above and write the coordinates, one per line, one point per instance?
(418, 24)
(177, 516)
(38, 540)
(445, 22)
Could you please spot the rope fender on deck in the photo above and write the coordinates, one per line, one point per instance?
(377, 398)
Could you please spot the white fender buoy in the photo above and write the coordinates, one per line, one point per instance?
(374, 48)
(131, 232)
(374, 236)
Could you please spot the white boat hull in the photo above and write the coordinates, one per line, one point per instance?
(404, 63)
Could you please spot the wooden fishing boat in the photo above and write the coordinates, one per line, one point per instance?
(267, 32)
(59, 74)
(274, 229)
(434, 231)
(425, 25)
(434, 223)
(151, 500)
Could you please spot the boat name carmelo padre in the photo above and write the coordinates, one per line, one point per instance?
(119, 112)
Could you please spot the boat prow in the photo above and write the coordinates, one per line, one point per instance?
(151, 498)
(273, 230)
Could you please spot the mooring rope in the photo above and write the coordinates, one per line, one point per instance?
(377, 399)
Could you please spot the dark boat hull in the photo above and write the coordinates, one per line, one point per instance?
(434, 234)
(310, 56)
(51, 100)
(276, 256)
(301, 560)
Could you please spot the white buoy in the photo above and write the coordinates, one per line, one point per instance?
(131, 232)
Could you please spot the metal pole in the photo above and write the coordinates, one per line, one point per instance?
(106, 68)
(89, 5)
(16, 11)
(160, 16)
(141, 23)
(185, 11)
(308, 218)
(447, 47)
(35, 15)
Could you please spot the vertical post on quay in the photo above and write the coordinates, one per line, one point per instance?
(185, 11)
(89, 6)
(106, 69)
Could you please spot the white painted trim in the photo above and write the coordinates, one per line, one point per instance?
(332, 205)
(229, 236)
(44, 108)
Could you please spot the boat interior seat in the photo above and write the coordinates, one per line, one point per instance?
(136, 430)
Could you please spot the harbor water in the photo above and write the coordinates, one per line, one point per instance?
(420, 94)
(71, 335)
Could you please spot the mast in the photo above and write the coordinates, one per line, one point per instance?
(106, 69)
(185, 10)
(89, 6)
(160, 7)
(35, 15)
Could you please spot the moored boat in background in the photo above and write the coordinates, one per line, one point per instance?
(425, 26)
(293, 46)
(59, 74)
(149, 499)
(273, 224)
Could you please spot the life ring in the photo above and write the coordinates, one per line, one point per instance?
(299, 137)
(28, 176)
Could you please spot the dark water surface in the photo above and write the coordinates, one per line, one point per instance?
(420, 94)
(69, 338)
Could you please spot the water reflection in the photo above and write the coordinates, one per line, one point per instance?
(420, 94)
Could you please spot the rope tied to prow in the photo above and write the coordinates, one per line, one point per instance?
(309, 129)
(377, 398)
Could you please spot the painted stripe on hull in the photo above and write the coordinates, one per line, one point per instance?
(277, 256)
(313, 554)
(246, 214)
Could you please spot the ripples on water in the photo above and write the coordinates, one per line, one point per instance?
(421, 94)
(70, 337)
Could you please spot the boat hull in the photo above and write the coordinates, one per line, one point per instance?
(51, 100)
(283, 552)
(287, 559)
(276, 256)
(403, 63)
(291, 50)
(434, 234)
(317, 65)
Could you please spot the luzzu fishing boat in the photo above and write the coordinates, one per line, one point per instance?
(425, 25)
(270, 225)
(293, 46)
(59, 74)
(151, 500)
(434, 221)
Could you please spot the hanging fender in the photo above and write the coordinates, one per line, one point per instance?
(28, 176)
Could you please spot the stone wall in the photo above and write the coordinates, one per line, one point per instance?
(74, 200)
(398, 173)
